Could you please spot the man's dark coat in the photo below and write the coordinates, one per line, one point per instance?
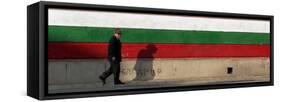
(114, 49)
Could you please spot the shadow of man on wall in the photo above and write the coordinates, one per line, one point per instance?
(144, 63)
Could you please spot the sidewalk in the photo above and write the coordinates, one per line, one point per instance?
(154, 84)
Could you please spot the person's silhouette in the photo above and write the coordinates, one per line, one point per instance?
(144, 64)
(114, 57)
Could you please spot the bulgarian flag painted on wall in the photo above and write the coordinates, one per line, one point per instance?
(74, 34)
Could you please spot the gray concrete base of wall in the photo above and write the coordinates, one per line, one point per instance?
(82, 75)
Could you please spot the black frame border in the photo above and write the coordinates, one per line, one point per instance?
(43, 61)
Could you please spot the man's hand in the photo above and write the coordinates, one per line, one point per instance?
(113, 58)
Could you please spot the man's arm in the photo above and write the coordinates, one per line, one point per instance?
(111, 50)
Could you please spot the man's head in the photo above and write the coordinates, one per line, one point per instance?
(117, 33)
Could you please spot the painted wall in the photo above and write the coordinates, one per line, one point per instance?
(78, 41)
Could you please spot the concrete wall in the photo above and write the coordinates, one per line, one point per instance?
(63, 72)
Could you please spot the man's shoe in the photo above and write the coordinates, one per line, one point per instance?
(119, 83)
(103, 80)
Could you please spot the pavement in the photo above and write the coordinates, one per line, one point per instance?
(85, 87)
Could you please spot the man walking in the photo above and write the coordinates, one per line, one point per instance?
(114, 57)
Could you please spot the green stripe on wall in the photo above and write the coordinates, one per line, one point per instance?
(129, 35)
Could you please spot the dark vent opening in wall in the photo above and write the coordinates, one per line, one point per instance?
(229, 70)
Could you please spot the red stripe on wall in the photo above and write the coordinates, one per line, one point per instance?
(99, 50)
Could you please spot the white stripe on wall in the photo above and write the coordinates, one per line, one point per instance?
(153, 21)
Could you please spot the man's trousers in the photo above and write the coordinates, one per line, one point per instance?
(113, 69)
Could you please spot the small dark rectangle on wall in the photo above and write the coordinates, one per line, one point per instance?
(229, 70)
